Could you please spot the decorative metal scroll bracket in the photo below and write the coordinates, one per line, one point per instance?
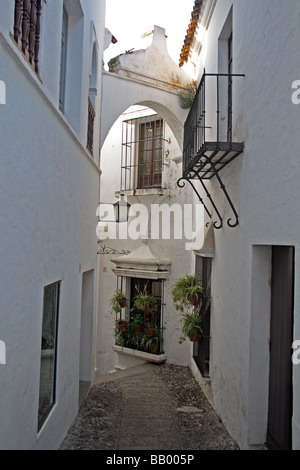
(106, 250)
(194, 175)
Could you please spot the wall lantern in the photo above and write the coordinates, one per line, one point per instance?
(121, 209)
(121, 213)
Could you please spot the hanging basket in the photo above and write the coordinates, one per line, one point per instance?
(194, 338)
(122, 324)
(149, 332)
(195, 299)
(122, 302)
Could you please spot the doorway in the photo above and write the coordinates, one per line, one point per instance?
(279, 434)
(86, 334)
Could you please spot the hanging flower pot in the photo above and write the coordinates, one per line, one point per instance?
(144, 301)
(194, 338)
(122, 324)
(195, 299)
(138, 329)
(122, 302)
(118, 301)
(149, 332)
(192, 326)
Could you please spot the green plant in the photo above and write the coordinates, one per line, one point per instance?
(138, 320)
(186, 291)
(118, 301)
(187, 97)
(143, 301)
(192, 326)
(151, 344)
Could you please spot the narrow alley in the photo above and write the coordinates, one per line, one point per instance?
(147, 407)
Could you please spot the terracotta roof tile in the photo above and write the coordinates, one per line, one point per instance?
(190, 32)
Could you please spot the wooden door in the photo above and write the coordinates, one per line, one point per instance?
(281, 338)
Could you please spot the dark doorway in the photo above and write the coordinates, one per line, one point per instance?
(201, 349)
(279, 434)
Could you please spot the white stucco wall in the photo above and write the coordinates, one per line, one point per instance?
(171, 249)
(263, 184)
(49, 195)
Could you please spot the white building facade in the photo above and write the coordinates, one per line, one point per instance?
(222, 174)
(141, 158)
(51, 66)
(243, 55)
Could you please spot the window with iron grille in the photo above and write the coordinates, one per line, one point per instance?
(229, 118)
(63, 61)
(149, 335)
(201, 353)
(142, 153)
(90, 132)
(27, 30)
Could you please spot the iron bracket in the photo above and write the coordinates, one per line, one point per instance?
(193, 174)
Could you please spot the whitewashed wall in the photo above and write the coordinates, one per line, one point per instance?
(263, 184)
(49, 195)
(174, 250)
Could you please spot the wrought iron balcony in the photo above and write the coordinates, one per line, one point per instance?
(209, 139)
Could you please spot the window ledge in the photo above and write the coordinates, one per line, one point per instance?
(148, 357)
(144, 192)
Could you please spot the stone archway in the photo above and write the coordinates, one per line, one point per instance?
(147, 77)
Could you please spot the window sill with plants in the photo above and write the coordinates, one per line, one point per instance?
(139, 337)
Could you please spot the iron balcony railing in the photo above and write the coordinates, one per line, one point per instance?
(209, 126)
(90, 130)
(211, 140)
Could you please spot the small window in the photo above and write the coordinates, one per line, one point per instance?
(48, 352)
(142, 153)
(63, 61)
(27, 30)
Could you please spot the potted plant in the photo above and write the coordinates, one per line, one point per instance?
(152, 344)
(186, 292)
(192, 326)
(118, 301)
(122, 324)
(143, 301)
(138, 322)
(149, 330)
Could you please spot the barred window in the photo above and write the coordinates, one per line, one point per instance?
(27, 30)
(142, 153)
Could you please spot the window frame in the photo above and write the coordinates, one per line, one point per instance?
(132, 161)
(125, 284)
(63, 60)
(48, 353)
(201, 349)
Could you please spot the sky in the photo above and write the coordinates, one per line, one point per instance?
(129, 20)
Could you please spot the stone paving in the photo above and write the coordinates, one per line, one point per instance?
(148, 407)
